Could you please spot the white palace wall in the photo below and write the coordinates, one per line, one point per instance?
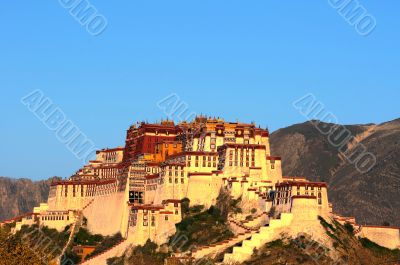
(204, 188)
(107, 215)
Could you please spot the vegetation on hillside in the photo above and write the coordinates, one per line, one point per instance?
(301, 250)
(141, 255)
(355, 250)
(14, 251)
(84, 237)
(227, 205)
(46, 244)
(200, 227)
(348, 249)
(105, 244)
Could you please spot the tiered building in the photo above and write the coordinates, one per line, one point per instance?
(137, 189)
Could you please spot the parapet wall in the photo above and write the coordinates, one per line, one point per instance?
(388, 237)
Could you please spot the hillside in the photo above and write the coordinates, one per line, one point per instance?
(370, 197)
(19, 196)
(346, 248)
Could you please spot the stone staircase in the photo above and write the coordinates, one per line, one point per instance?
(265, 234)
(256, 222)
(213, 249)
(237, 227)
(245, 230)
(74, 229)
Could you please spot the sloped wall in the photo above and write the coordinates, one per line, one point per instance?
(106, 214)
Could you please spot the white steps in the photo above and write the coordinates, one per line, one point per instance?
(266, 234)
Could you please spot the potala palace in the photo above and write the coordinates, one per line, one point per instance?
(137, 189)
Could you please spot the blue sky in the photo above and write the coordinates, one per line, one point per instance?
(246, 60)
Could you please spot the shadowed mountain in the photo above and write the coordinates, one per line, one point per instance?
(18, 196)
(371, 197)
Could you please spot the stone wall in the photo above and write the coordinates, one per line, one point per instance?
(388, 237)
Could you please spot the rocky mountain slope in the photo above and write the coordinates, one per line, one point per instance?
(372, 197)
(18, 196)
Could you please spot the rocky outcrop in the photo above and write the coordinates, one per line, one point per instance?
(19, 196)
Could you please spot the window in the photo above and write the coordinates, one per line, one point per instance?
(166, 218)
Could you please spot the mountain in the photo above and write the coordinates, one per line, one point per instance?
(18, 196)
(372, 196)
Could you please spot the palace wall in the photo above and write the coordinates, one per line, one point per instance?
(154, 222)
(57, 219)
(304, 208)
(204, 188)
(106, 214)
(274, 169)
(388, 237)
